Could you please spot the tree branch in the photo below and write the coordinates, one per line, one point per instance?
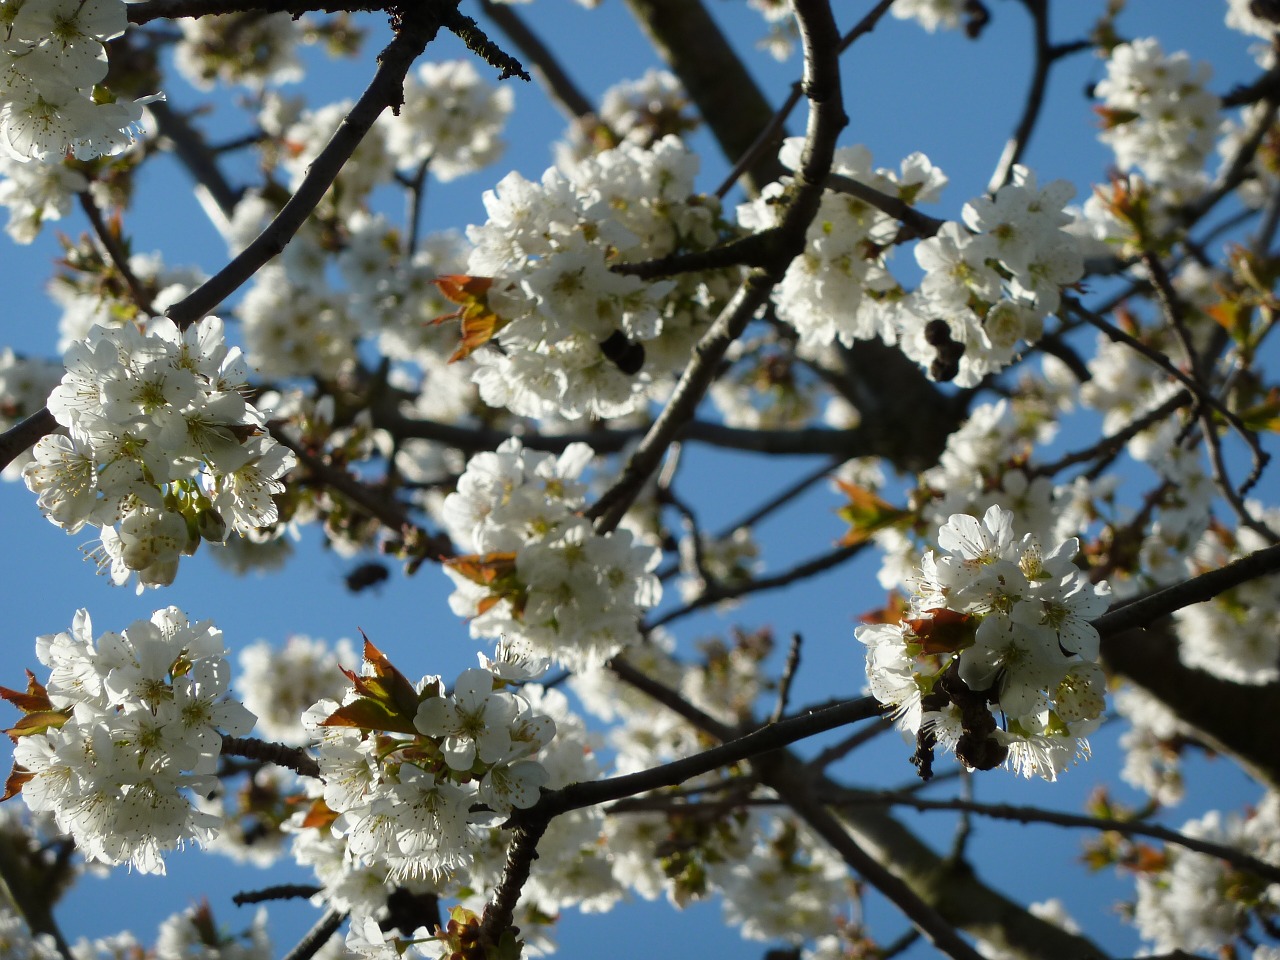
(23, 435)
(572, 101)
(317, 936)
(729, 100)
(144, 11)
(1026, 814)
(1141, 611)
(418, 27)
(826, 120)
(115, 252)
(292, 758)
(715, 593)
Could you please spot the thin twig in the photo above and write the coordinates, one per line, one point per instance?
(840, 750)
(1270, 223)
(115, 252)
(715, 594)
(864, 26)
(1110, 446)
(1026, 814)
(1171, 307)
(781, 499)
(788, 675)
(283, 891)
(144, 11)
(920, 225)
(417, 197)
(1235, 173)
(546, 67)
(1045, 57)
(384, 508)
(1164, 363)
(769, 136)
(469, 32)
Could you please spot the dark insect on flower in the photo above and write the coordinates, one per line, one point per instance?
(623, 353)
(945, 366)
(366, 575)
(937, 332)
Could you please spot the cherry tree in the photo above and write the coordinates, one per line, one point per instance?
(1039, 420)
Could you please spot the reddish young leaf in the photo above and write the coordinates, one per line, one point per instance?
(479, 322)
(34, 700)
(944, 631)
(319, 816)
(17, 777)
(369, 714)
(392, 686)
(866, 513)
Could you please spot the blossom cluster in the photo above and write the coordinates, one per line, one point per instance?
(1236, 635)
(265, 50)
(161, 448)
(34, 193)
(638, 112)
(450, 118)
(126, 727)
(540, 575)
(573, 868)
(413, 773)
(930, 14)
(990, 282)
(1195, 902)
(835, 288)
(577, 338)
(1157, 115)
(49, 99)
(278, 685)
(996, 625)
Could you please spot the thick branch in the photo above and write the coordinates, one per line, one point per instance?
(960, 898)
(193, 153)
(529, 825)
(317, 936)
